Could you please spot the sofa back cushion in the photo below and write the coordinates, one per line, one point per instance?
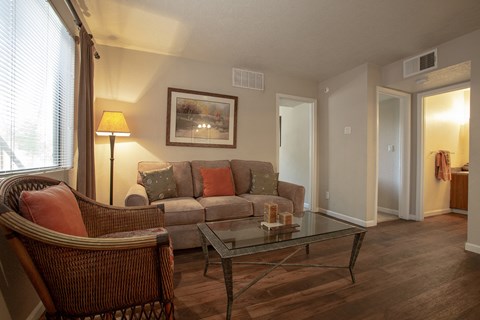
(197, 176)
(241, 170)
(182, 173)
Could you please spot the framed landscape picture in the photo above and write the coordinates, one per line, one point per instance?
(201, 119)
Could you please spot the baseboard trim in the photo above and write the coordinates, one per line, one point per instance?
(37, 312)
(475, 248)
(465, 212)
(437, 212)
(413, 217)
(341, 216)
(388, 210)
(318, 209)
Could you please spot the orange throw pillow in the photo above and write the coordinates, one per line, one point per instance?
(217, 182)
(54, 208)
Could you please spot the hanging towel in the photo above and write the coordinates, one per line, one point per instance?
(442, 165)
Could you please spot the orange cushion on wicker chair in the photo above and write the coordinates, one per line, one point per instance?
(54, 208)
(217, 182)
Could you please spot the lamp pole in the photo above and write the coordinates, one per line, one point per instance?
(112, 159)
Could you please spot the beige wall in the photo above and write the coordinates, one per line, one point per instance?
(347, 162)
(444, 129)
(136, 83)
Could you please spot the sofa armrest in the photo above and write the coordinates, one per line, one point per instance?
(293, 192)
(136, 196)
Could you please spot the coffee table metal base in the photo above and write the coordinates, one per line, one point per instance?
(228, 275)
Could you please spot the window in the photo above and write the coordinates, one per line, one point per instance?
(37, 57)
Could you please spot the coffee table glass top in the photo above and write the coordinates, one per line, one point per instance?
(237, 234)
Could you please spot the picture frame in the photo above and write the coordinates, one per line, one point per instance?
(201, 119)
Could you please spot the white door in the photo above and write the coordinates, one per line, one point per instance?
(296, 143)
(393, 146)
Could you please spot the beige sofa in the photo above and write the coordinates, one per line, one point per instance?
(190, 207)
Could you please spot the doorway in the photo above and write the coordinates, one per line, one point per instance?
(296, 152)
(393, 153)
(443, 125)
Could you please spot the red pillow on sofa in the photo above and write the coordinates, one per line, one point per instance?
(54, 208)
(217, 182)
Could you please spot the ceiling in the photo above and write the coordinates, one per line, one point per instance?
(310, 39)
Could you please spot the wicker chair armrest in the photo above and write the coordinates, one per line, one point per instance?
(11, 220)
(136, 196)
(293, 192)
(91, 276)
(102, 219)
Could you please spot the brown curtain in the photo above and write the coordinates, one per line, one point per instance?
(86, 131)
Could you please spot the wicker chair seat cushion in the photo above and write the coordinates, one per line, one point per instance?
(144, 232)
(54, 208)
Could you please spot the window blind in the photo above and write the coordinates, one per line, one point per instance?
(37, 56)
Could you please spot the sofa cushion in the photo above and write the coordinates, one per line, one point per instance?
(182, 172)
(181, 211)
(241, 170)
(265, 183)
(217, 182)
(197, 176)
(225, 207)
(54, 208)
(258, 202)
(159, 184)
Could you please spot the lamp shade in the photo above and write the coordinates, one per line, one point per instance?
(113, 124)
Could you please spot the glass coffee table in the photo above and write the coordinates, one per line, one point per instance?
(235, 238)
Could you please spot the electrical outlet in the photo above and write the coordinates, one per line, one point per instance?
(327, 195)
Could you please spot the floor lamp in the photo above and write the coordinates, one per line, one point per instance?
(112, 124)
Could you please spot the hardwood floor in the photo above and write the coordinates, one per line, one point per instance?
(405, 270)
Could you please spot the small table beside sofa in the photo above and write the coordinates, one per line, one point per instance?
(198, 191)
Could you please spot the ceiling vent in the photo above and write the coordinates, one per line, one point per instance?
(247, 79)
(419, 64)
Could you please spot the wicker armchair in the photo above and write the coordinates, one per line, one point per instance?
(92, 277)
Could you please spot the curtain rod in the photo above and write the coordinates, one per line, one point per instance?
(78, 22)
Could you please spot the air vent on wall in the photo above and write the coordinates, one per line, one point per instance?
(419, 64)
(247, 79)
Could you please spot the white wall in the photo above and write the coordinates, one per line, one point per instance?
(295, 148)
(444, 130)
(347, 162)
(136, 83)
(389, 160)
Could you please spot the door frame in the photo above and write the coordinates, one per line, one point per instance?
(313, 141)
(419, 206)
(404, 151)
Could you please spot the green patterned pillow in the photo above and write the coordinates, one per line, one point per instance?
(264, 183)
(159, 184)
